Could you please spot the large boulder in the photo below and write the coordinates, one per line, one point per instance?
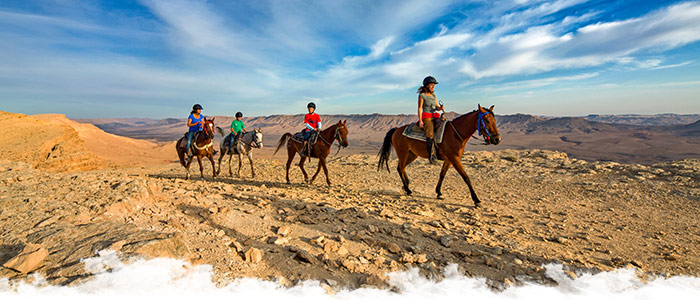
(31, 258)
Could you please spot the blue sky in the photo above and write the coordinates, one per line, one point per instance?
(157, 58)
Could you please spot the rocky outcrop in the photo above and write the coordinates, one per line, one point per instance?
(538, 207)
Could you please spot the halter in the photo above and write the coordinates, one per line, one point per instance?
(255, 142)
(483, 131)
(206, 136)
(337, 137)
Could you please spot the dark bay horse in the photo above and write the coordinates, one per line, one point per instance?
(320, 149)
(457, 132)
(203, 146)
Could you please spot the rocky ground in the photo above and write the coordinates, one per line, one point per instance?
(539, 207)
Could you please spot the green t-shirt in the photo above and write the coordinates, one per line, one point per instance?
(237, 126)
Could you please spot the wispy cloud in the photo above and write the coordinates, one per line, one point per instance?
(268, 56)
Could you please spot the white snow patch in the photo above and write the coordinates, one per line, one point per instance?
(165, 278)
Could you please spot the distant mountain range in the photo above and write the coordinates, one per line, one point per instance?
(625, 138)
(646, 120)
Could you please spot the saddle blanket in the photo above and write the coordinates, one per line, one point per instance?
(414, 131)
(299, 137)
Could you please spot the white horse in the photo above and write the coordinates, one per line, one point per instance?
(248, 141)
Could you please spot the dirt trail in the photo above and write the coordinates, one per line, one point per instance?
(539, 206)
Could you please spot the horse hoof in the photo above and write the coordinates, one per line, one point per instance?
(440, 197)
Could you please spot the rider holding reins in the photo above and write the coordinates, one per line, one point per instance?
(312, 123)
(195, 123)
(428, 108)
(237, 129)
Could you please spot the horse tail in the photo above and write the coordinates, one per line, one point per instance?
(220, 130)
(283, 140)
(385, 151)
(180, 153)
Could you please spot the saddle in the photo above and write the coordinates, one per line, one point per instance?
(414, 131)
(183, 141)
(307, 149)
(235, 149)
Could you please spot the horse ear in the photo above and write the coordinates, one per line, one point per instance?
(480, 109)
(491, 109)
(212, 119)
(345, 122)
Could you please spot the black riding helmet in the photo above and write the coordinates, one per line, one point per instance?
(196, 107)
(311, 104)
(429, 80)
(239, 114)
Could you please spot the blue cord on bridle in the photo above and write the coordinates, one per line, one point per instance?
(483, 125)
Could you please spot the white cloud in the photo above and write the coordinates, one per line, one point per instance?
(542, 48)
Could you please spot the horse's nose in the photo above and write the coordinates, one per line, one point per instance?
(496, 140)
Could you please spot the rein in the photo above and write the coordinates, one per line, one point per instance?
(481, 124)
(337, 137)
(206, 137)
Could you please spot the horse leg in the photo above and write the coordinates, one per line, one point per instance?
(187, 167)
(250, 158)
(201, 167)
(460, 169)
(322, 162)
(290, 157)
(411, 157)
(301, 166)
(230, 158)
(213, 166)
(221, 156)
(438, 188)
(401, 168)
(240, 164)
(318, 170)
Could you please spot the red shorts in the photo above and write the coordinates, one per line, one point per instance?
(427, 115)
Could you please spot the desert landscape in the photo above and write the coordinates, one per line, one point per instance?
(70, 189)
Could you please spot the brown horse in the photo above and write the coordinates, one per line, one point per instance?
(320, 149)
(203, 146)
(457, 132)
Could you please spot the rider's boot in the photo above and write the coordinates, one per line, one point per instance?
(431, 153)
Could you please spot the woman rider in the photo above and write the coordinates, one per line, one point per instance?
(237, 127)
(427, 113)
(195, 122)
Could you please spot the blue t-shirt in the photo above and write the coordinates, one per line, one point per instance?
(193, 120)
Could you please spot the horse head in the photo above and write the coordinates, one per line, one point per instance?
(342, 133)
(257, 138)
(209, 127)
(487, 126)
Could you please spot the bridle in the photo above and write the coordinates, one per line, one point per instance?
(206, 135)
(205, 132)
(481, 128)
(337, 136)
(255, 142)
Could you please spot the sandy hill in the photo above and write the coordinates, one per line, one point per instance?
(54, 142)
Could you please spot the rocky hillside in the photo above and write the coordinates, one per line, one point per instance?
(585, 215)
(54, 142)
(44, 145)
(646, 120)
